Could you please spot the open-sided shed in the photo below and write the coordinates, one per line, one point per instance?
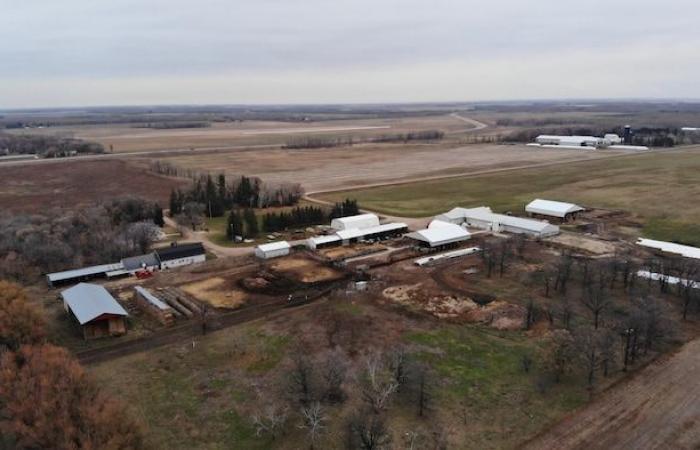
(550, 208)
(95, 310)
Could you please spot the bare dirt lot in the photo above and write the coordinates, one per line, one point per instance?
(332, 168)
(658, 408)
(34, 188)
(304, 270)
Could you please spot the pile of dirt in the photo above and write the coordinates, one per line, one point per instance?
(496, 314)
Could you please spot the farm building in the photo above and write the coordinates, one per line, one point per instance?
(85, 274)
(549, 208)
(485, 219)
(142, 262)
(272, 250)
(570, 141)
(446, 256)
(355, 222)
(154, 306)
(181, 255)
(670, 247)
(385, 231)
(440, 234)
(95, 310)
(319, 242)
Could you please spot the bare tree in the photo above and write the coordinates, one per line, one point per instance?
(559, 355)
(334, 374)
(192, 214)
(313, 421)
(368, 432)
(270, 419)
(596, 298)
(377, 383)
(301, 377)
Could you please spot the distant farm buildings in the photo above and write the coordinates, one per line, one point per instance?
(95, 310)
(549, 208)
(485, 219)
(611, 140)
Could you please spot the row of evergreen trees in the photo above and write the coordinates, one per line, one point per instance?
(221, 195)
(244, 223)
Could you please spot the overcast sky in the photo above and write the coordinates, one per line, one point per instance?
(124, 52)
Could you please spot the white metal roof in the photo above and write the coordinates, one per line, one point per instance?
(359, 232)
(670, 280)
(484, 213)
(272, 246)
(89, 301)
(318, 240)
(84, 272)
(447, 255)
(152, 299)
(440, 233)
(670, 247)
(552, 208)
(358, 221)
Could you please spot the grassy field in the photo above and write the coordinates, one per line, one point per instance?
(658, 187)
(202, 394)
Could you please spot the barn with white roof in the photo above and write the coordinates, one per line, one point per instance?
(272, 250)
(550, 208)
(440, 234)
(484, 218)
(355, 222)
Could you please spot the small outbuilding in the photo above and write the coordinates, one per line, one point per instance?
(272, 250)
(95, 310)
(549, 208)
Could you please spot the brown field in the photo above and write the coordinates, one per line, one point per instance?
(304, 270)
(35, 187)
(126, 138)
(331, 168)
(658, 408)
(215, 292)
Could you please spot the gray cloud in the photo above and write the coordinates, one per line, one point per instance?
(157, 51)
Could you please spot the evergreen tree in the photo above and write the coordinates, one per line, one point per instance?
(158, 215)
(174, 203)
(235, 225)
(251, 223)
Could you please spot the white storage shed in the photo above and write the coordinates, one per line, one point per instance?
(360, 221)
(272, 250)
(550, 208)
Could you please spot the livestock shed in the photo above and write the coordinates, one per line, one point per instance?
(549, 208)
(484, 218)
(570, 141)
(440, 234)
(154, 306)
(671, 247)
(84, 274)
(319, 242)
(355, 222)
(272, 250)
(95, 310)
(378, 232)
(181, 255)
(432, 259)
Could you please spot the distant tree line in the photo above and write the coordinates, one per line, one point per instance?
(173, 125)
(45, 146)
(60, 239)
(329, 142)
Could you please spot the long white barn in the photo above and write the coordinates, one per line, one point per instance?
(484, 218)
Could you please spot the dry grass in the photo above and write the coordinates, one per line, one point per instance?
(215, 292)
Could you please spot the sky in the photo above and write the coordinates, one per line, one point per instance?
(148, 52)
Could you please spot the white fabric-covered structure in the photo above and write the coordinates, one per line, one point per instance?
(484, 218)
(323, 241)
(552, 208)
(669, 247)
(360, 221)
(440, 233)
(272, 250)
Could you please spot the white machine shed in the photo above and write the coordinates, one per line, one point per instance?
(351, 222)
(440, 233)
(272, 250)
(552, 208)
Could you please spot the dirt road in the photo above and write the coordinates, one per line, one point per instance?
(658, 408)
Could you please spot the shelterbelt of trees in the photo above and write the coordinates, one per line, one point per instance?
(45, 146)
(60, 239)
(47, 400)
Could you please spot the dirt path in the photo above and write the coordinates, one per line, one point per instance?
(476, 125)
(201, 236)
(658, 408)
